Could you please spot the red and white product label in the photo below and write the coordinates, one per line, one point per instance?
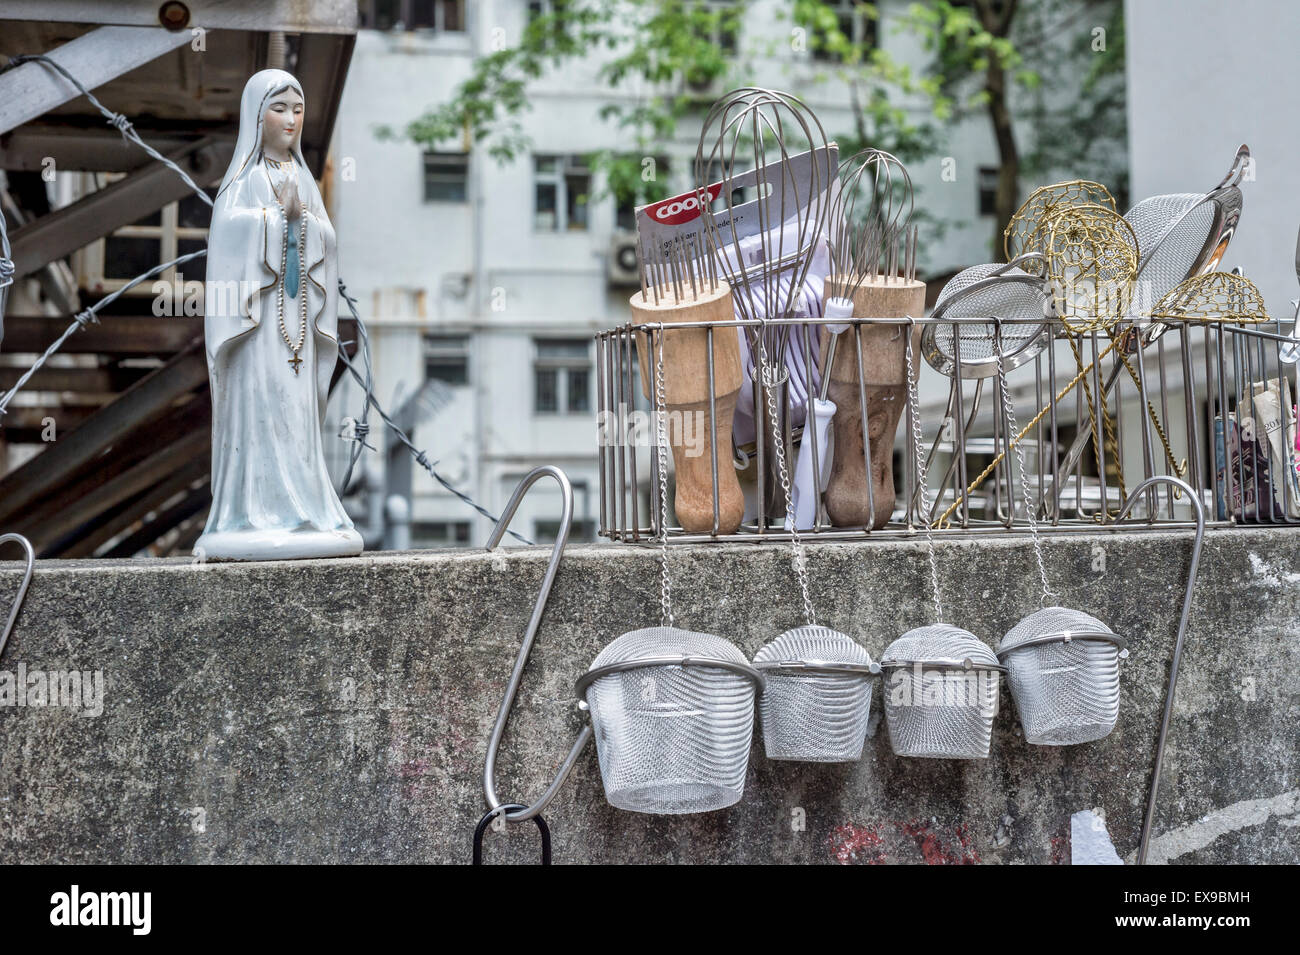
(679, 209)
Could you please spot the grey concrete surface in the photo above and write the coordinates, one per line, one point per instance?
(338, 710)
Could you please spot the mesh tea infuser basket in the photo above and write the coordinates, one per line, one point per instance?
(941, 682)
(817, 693)
(672, 709)
(673, 712)
(941, 693)
(1062, 665)
(1063, 670)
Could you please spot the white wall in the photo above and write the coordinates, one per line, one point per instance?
(1203, 78)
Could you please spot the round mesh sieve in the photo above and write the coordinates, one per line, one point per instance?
(1065, 692)
(814, 716)
(1172, 230)
(672, 738)
(1014, 296)
(934, 706)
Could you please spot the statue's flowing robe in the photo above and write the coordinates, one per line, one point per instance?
(271, 492)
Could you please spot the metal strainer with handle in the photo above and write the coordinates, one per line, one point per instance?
(817, 692)
(1014, 291)
(1007, 291)
(942, 683)
(1184, 234)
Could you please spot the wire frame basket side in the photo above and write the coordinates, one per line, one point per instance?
(1213, 297)
(1092, 258)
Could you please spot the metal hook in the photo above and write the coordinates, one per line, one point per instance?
(1144, 844)
(22, 588)
(542, 828)
(1240, 162)
(517, 674)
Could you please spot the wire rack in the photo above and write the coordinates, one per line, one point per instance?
(1099, 412)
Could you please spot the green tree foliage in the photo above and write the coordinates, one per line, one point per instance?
(669, 57)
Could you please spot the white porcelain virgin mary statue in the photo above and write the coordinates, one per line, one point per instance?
(271, 328)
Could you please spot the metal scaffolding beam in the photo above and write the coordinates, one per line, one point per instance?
(140, 193)
(33, 89)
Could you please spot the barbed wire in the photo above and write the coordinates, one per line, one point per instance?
(90, 315)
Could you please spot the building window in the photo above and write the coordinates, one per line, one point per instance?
(561, 187)
(582, 529)
(562, 376)
(718, 22)
(557, 23)
(446, 177)
(446, 359)
(444, 16)
(176, 229)
(633, 191)
(855, 27)
(988, 186)
(440, 533)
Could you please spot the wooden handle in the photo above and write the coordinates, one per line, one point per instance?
(691, 436)
(686, 350)
(691, 439)
(883, 349)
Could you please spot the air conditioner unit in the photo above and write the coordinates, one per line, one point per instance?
(622, 266)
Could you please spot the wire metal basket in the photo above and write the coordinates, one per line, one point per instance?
(1195, 396)
(817, 695)
(941, 693)
(1063, 670)
(673, 712)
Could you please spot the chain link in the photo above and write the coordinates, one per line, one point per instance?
(768, 375)
(914, 409)
(661, 451)
(1009, 411)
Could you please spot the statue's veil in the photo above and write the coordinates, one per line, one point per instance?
(258, 91)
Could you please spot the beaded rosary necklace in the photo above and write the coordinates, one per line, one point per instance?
(294, 347)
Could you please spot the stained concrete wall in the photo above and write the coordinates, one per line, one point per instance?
(337, 711)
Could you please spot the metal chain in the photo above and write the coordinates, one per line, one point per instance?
(661, 451)
(1009, 411)
(914, 408)
(768, 375)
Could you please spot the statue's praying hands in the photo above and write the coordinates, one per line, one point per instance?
(287, 193)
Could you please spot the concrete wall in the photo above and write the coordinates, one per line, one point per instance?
(337, 711)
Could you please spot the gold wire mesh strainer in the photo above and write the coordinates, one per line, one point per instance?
(1091, 254)
(1213, 297)
(1024, 233)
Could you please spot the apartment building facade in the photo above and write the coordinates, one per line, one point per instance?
(484, 283)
